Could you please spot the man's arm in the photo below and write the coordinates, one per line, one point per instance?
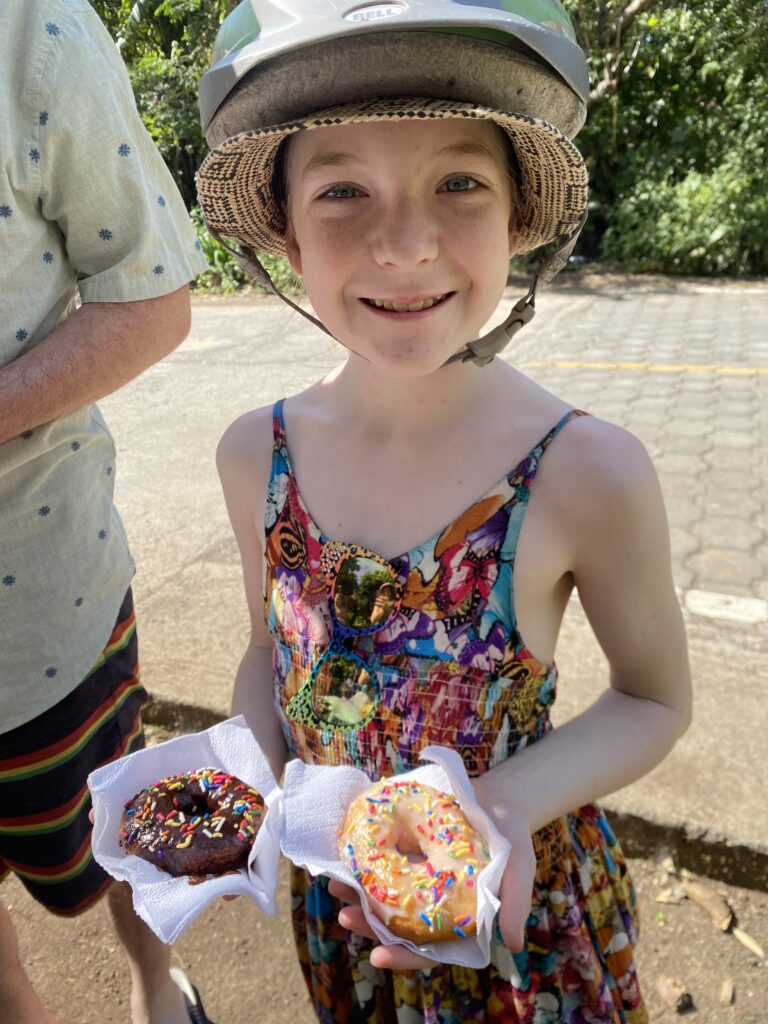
(96, 350)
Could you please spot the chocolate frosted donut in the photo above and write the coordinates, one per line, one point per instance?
(201, 823)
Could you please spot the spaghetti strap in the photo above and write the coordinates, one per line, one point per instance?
(280, 469)
(278, 424)
(522, 476)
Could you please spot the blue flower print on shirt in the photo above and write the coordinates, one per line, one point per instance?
(158, 269)
(102, 534)
(51, 672)
(8, 581)
(5, 211)
(21, 335)
(161, 201)
(52, 28)
(75, 446)
(105, 234)
(47, 257)
(124, 149)
(44, 510)
(34, 156)
(43, 117)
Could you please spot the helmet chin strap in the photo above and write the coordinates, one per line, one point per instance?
(479, 352)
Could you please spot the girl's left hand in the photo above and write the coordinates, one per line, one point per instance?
(514, 894)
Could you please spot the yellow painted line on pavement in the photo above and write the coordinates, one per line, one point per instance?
(577, 364)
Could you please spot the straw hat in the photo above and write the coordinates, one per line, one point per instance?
(235, 181)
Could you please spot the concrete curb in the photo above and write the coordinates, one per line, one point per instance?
(704, 854)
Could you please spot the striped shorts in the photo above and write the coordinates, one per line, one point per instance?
(45, 834)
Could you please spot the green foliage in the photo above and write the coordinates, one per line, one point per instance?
(675, 142)
(710, 223)
(166, 45)
(677, 154)
(226, 275)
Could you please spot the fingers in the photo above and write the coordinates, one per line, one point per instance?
(515, 896)
(345, 893)
(393, 958)
(398, 958)
(353, 919)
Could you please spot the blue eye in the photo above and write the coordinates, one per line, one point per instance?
(461, 183)
(341, 192)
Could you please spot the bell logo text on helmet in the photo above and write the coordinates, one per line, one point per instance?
(373, 12)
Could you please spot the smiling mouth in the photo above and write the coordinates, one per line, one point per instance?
(408, 307)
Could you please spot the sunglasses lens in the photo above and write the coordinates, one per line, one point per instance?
(344, 693)
(364, 593)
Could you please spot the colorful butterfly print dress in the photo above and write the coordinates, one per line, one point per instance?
(452, 670)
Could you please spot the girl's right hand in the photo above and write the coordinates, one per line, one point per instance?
(393, 957)
(515, 893)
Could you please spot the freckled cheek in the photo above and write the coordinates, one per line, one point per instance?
(481, 245)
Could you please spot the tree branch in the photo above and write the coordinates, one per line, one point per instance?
(617, 28)
(605, 87)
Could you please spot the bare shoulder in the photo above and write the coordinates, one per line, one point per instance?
(245, 447)
(593, 462)
(602, 489)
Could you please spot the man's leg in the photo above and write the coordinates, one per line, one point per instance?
(45, 832)
(20, 1002)
(155, 998)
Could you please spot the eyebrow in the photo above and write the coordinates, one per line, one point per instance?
(335, 158)
(468, 149)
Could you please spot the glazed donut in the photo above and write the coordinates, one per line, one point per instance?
(417, 858)
(200, 823)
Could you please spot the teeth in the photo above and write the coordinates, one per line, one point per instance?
(407, 307)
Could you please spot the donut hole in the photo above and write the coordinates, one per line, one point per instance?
(408, 846)
(192, 804)
(416, 857)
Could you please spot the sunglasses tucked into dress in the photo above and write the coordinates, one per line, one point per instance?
(363, 595)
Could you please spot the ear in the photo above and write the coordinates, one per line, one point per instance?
(513, 234)
(292, 250)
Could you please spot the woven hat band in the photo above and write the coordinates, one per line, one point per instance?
(238, 200)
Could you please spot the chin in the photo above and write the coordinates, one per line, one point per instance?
(406, 365)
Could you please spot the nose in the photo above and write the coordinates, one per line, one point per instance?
(405, 235)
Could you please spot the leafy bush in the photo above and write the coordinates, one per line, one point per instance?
(675, 142)
(711, 223)
(226, 275)
(677, 154)
(167, 45)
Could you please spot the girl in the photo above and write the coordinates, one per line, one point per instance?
(412, 526)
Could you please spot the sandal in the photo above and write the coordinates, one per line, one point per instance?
(192, 1000)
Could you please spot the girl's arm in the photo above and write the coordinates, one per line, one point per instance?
(243, 460)
(608, 507)
(616, 529)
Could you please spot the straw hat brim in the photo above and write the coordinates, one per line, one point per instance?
(238, 200)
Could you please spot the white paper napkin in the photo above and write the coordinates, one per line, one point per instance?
(315, 802)
(169, 904)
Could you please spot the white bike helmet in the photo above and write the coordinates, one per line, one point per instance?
(284, 66)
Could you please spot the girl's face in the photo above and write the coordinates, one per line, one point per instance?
(402, 233)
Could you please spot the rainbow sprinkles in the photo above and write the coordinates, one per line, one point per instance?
(199, 823)
(417, 858)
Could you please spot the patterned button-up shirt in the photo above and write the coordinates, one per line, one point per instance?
(89, 210)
